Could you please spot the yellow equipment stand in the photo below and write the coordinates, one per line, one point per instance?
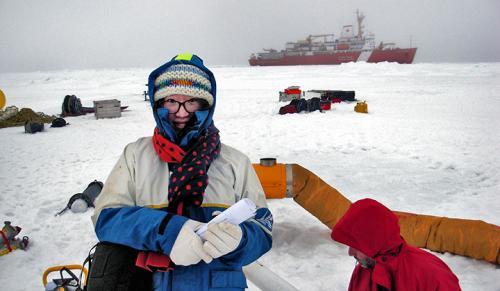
(59, 268)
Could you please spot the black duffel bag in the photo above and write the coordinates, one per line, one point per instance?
(313, 104)
(33, 127)
(112, 268)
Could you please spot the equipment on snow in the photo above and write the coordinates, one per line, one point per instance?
(12, 116)
(301, 105)
(325, 105)
(313, 104)
(145, 93)
(336, 96)
(290, 93)
(72, 106)
(33, 127)
(2, 100)
(8, 240)
(312, 100)
(59, 122)
(288, 109)
(80, 202)
(361, 107)
(67, 281)
(107, 108)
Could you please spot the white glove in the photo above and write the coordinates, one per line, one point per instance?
(222, 238)
(188, 246)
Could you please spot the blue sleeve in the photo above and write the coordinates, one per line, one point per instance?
(139, 227)
(257, 239)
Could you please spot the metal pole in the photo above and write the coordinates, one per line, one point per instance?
(266, 279)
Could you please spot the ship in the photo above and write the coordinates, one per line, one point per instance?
(325, 49)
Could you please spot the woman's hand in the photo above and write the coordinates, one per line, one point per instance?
(188, 246)
(221, 239)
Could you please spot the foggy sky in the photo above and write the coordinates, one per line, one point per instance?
(63, 34)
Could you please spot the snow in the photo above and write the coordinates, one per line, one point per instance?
(429, 145)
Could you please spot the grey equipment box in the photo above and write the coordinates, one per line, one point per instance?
(107, 108)
(288, 97)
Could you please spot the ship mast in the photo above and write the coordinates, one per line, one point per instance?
(360, 18)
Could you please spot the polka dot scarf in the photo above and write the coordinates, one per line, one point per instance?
(188, 179)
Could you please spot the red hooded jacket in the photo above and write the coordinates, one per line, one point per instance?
(373, 229)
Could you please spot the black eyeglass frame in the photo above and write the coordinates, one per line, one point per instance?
(203, 104)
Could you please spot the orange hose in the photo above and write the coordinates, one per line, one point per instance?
(317, 197)
(472, 238)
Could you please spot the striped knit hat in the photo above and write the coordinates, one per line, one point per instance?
(183, 79)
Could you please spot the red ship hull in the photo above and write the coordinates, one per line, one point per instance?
(402, 56)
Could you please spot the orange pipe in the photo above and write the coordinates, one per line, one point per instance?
(273, 179)
(472, 238)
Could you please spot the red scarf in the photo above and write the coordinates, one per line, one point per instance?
(187, 182)
(189, 178)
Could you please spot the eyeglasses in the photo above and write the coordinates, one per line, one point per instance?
(190, 105)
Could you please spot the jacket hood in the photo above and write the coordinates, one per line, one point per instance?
(369, 227)
(202, 118)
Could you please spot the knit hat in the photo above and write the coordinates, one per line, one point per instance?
(183, 79)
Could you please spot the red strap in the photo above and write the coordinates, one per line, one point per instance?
(6, 241)
(141, 261)
(154, 262)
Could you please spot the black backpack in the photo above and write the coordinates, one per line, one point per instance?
(302, 105)
(314, 104)
(59, 122)
(71, 106)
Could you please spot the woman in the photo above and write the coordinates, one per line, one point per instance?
(164, 188)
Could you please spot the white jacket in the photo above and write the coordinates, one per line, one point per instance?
(140, 178)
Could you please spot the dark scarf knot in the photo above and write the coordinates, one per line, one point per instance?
(188, 178)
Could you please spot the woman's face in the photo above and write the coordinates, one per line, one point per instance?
(363, 260)
(181, 108)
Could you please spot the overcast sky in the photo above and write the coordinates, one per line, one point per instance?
(64, 34)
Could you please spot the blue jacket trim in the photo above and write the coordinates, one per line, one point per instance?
(227, 279)
(139, 228)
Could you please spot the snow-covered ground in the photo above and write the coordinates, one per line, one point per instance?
(429, 145)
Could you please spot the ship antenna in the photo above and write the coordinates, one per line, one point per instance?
(360, 18)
